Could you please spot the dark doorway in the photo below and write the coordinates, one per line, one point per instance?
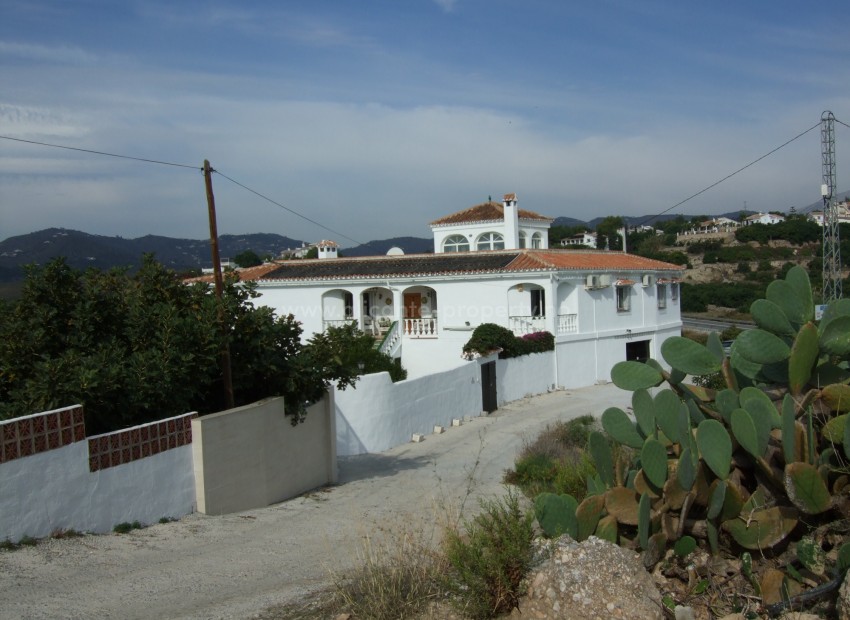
(637, 351)
(488, 387)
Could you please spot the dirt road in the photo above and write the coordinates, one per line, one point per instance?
(235, 566)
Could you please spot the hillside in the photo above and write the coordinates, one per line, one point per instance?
(84, 250)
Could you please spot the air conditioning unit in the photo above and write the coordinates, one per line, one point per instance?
(605, 279)
(648, 279)
(592, 282)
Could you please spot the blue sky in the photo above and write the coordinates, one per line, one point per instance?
(376, 117)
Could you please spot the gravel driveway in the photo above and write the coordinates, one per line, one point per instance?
(235, 566)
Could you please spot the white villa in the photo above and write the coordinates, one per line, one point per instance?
(491, 264)
(763, 218)
(586, 239)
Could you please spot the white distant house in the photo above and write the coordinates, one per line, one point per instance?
(602, 307)
(586, 239)
(762, 218)
(842, 212)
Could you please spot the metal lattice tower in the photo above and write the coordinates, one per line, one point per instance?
(831, 240)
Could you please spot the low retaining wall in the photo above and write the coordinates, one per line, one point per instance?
(54, 478)
(252, 456)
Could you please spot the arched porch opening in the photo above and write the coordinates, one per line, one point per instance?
(526, 308)
(378, 310)
(419, 312)
(337, 308)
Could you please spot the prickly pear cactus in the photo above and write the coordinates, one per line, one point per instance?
(755, 465)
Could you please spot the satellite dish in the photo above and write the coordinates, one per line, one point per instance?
(395, 251)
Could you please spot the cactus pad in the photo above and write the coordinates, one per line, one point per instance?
(806, 488)
(715, 447)
(762, 347)
(556, 514)
(634, 375)
(618, 425)
(762, 528)
(689, 356)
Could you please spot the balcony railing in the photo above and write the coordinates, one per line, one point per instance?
(521, 325)
(337, 322)
(567, 323)
(420, 328)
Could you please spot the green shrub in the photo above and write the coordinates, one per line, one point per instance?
(490, 559)
(126, 527)
(556, 461)
(489, 337)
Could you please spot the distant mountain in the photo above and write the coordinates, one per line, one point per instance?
(410, 245)
(83, 250)
(568, 221)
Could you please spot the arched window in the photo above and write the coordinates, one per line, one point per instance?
(456, 243)
(523, 239)
(490, 241)
(536, 241)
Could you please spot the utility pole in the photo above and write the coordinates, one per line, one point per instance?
(226, 376)
(831, 239)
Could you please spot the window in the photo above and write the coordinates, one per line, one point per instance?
(538, 302)
(536, 241)
(491, 241)
(674, 291)
(456, 243)
(349, 305)
(623, 293)
(523, 239)
(662, 296)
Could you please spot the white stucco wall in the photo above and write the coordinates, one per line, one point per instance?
(379, 414)
(252, 456)
(55, 490)
(529, 375)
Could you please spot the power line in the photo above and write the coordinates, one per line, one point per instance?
(841, 123)
(274, 202)
(167, 163)
(729, 176)
(74, 148)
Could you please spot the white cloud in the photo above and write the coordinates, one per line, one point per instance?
(447, 5)
(53, 54)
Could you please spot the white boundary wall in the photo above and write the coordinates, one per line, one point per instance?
(378, 414)
(55, 490)
(529, 375)
(251, 456)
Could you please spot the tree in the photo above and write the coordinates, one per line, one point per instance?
(608, 233)
(248, 258)
(137, 348)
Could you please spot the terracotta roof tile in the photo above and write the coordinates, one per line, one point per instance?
(247, 274)
(487, 212)
(586, 260)
(453, 264)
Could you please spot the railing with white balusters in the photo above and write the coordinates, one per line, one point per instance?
(567, 323)
(420, 328)
(391, 340)
(337, 322)
(521, 325)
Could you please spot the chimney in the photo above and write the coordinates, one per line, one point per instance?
(511, 214)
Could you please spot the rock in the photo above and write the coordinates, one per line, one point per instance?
(590, 580)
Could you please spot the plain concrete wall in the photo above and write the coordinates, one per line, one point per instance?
(252, 456)
(378, 414)
(55, 490)
(529, 375)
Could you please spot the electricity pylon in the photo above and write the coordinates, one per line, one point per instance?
(831, 240)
